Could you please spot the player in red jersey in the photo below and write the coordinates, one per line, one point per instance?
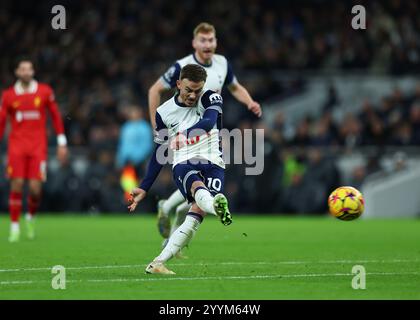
(26, 104)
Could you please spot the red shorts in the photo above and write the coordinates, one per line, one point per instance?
(27, 166)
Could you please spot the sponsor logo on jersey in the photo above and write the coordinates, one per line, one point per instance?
(16, 104)
(9, 170)
(216, 98)
(28, 115)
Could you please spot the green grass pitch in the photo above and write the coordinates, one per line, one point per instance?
(257, 257)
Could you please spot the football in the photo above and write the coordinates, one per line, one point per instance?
(346, 203)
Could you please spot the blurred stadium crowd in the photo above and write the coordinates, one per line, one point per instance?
(112, 51)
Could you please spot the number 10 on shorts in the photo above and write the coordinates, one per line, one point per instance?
(214, 183)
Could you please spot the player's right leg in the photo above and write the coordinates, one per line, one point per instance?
(15, 207)
(210, 198)
(36, 174)
(16, 171)
(217, 205)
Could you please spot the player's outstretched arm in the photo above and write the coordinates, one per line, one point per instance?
(137, 195)
(242, 95)
(153, 169)
(154, 99)
(62, 151)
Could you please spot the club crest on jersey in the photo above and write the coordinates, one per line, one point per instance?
(37, 101)
(216, 98)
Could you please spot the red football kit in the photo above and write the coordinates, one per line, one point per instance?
(27, 111)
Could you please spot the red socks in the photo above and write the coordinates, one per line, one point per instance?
(15, 205)
(33, 204)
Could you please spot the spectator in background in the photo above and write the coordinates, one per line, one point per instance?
(332, 98)
(135, 145)
(136, 140)
(400, 161)
(351, 132)
(322, 168)
(358, 176)
(402, 135)
(323, 133)
(302, 136)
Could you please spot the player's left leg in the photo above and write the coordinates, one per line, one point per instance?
(180, 214)
(179, 239)
(185, 174)
(37, 174)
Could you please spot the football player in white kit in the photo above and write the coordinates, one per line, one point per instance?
(219, 74)
(189, 123)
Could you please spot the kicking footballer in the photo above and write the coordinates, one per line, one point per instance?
(189, 124)
(219, 75)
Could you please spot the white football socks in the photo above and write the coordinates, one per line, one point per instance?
(204, 200)
(181, 212)
(179, 239)
(172, 202)
(14, 227)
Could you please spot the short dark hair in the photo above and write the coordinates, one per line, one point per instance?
(193, 72)
(21, 59)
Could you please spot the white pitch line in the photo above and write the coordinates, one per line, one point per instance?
(220, 278)
(75, 268)
(18, 282)
(217, 263)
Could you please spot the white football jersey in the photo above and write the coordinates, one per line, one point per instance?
(172, 118)
(219, 72)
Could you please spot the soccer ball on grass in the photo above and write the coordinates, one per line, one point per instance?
(346, 203)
